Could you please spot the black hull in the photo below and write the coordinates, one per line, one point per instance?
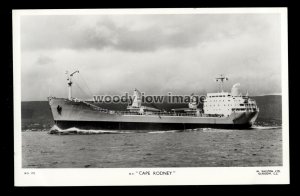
(88, 125)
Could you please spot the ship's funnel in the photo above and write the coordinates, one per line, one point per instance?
(235, 89)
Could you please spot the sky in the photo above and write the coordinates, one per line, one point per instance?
(157, 54)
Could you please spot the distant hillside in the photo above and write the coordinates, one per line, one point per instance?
(270, 109)
(270, 106)
(37, 114)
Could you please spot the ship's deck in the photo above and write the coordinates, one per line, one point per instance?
(128, 113)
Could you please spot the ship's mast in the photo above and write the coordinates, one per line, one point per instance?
(69, 79)
(220, 79)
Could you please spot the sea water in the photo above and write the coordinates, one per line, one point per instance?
(258, 146)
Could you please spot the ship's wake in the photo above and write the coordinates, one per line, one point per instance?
(168, 131)
(77, 131)
(56, 130)
(266, 127)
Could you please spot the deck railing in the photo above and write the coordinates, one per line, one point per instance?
(154, 113)
(148, 113)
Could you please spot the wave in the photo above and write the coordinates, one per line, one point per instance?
(266, 127)
(169, 131)
(76, 131)
(56, 130)
(208, 130)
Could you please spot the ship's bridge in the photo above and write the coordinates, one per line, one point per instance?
(225, 103)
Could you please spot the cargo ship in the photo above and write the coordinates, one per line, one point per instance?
(220, 110)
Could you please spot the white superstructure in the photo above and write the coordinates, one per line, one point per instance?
(224, 103)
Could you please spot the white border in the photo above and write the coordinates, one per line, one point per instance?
(118, 176)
